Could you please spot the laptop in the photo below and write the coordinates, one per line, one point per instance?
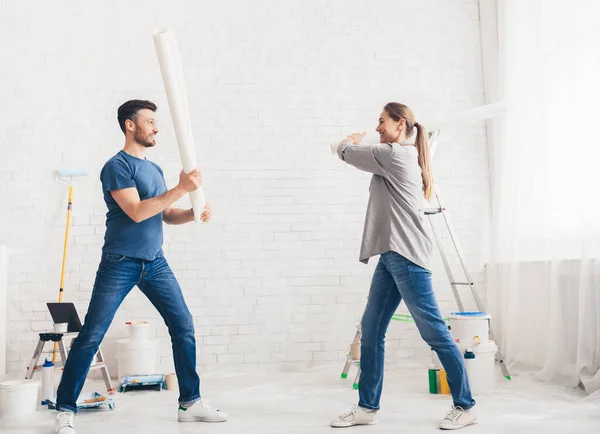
(65, 312)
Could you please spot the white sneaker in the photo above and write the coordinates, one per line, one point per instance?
(200, 412)
(458, 418)
(355, 416)
(64, 423)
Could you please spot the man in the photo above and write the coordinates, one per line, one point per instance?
(138, 203)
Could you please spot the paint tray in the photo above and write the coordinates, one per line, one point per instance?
(88, 400)
(142, 382)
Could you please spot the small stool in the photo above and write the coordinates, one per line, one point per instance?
(33, 367)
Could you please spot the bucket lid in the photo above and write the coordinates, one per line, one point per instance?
(470, 315)
(48, 364)
(137, 323)
(485, 347)
(18, 384)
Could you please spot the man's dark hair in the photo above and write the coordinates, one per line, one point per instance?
(130, 109)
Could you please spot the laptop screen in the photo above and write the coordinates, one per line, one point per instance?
(65, 312)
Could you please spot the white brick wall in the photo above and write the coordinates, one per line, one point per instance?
(274, 280)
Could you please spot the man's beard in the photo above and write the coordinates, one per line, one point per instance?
(145, 141)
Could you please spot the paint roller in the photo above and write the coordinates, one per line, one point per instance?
(69, 172)
(65, 174)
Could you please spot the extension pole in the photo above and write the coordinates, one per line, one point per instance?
(64, 260)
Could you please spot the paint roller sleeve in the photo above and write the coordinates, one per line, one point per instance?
(73, 171)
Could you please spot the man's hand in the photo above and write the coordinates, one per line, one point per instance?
(207, 214)
(191, 181)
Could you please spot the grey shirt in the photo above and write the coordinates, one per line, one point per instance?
(395, 216)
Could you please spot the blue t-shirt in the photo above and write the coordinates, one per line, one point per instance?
(124, 236)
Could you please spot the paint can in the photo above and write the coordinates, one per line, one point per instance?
(139, 331)
(171, 381)
(18, 397)
(61, 327)
(136, 358)
(480, 364)
(470, 328)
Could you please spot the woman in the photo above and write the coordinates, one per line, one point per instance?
(395, 230)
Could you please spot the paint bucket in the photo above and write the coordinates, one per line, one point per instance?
(136, 358)
(171, 381)
(481, 369)
(470, 328)
(18, 397)
(61, 327)
(139, 331)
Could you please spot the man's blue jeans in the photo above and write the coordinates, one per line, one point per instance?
(395, 279)
(116, 276)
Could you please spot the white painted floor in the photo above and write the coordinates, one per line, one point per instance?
(304, 402)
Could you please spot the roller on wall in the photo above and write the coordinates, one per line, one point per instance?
(171, 69)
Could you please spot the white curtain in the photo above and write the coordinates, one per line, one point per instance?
(3, 308)
(544, 271)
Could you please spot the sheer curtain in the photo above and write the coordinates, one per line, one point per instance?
(544, 268)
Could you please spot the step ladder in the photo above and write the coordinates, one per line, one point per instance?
(431, 213)
(98, 363)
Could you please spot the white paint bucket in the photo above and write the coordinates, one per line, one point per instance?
(470, 328)
(481, 370)
(61, 327)
(18, 397)
(139, 331)
(136, 358)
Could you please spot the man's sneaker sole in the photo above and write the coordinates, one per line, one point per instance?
(458, 427)
(200, 419)
(349, 424)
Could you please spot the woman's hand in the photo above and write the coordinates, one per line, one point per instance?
(356, 137)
